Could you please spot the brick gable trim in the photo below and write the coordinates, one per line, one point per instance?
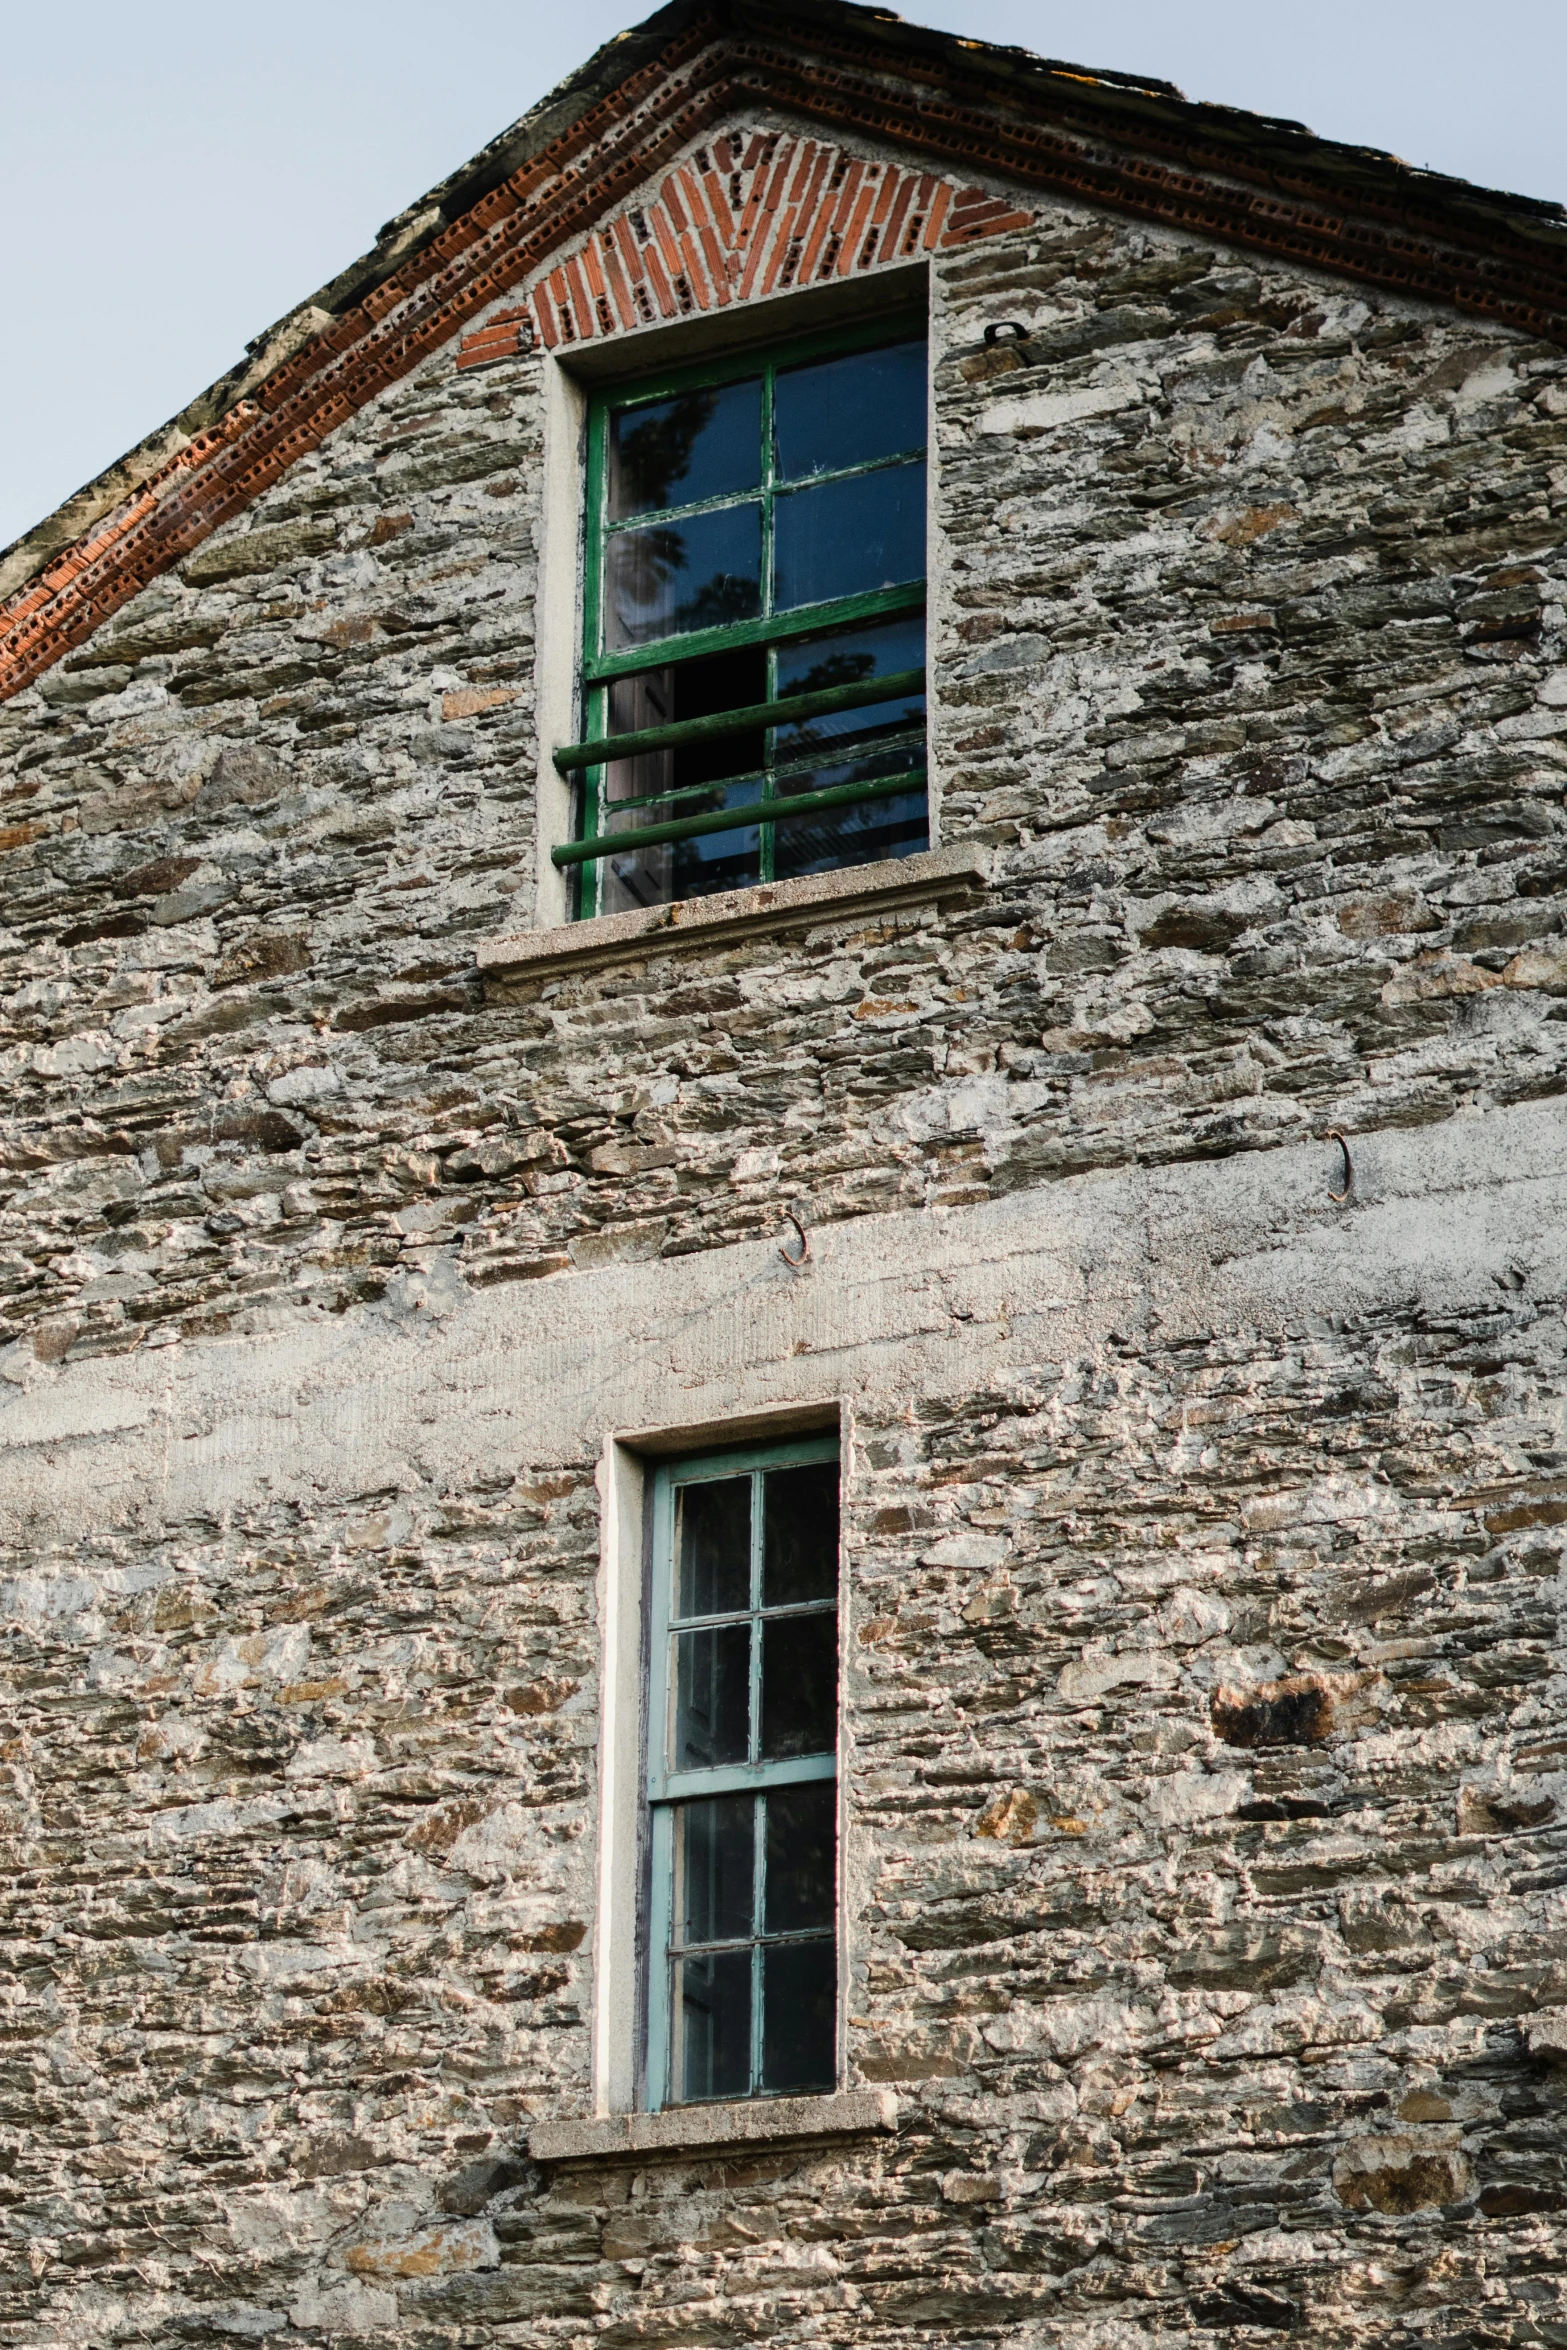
(1140, 155)
(755, 213)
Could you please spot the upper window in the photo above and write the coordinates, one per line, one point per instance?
(754, 663)
(741, 1777)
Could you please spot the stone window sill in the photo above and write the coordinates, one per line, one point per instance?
(769, 905)
(703, 2129)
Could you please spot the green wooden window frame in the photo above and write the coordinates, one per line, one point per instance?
(585, 761)
(668, 1789)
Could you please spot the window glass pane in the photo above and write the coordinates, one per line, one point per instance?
(842, 738)
(715, 1857)
(799, 1999)
(712, 1698)
(859, 835)
(713, 1547)
(799, 1685)
(683, 869)
(676, 452)
(844, 538)
(850, 656)
(648, 699)
(800, 1534)
(850, 411)
(712, 2001)
(874, 757)
(701, 573)
(801, 1849)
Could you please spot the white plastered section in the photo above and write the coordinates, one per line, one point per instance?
(622, 1487)
(558, 628)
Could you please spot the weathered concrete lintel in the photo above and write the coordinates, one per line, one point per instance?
(696, 2129)
(861, 889)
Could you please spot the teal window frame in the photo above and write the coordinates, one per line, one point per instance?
(593, 842)
(664, 1789)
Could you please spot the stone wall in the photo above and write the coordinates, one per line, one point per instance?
(1204, 1718)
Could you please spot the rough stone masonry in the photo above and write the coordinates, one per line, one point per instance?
(1180, 1147)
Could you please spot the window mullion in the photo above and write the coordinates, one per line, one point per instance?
(758, 1914)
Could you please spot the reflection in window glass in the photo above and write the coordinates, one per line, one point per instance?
(845, 538)
(677, 452)
(850, 411)
(833, 838)
(703, 572)
(850, 656)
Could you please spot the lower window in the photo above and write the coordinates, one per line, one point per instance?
(741, 1776)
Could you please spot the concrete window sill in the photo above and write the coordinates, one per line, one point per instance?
(704, 2129)
(769, 905)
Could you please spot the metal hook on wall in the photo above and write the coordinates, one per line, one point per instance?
(1339, 1197)
(794, 1263)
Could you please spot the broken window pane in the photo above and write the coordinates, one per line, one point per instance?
(669, 696)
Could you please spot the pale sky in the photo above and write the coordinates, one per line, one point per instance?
(174, 177)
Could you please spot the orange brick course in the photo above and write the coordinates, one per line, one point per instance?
(797, 222)
(752, 214)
